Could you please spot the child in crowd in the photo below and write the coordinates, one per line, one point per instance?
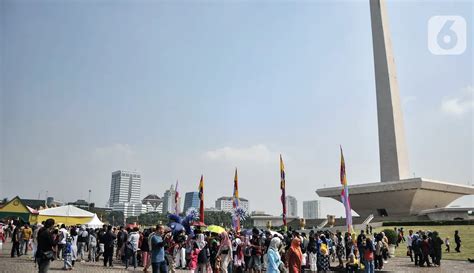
(446, 242)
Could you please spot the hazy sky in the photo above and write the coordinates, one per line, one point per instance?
(176, 89)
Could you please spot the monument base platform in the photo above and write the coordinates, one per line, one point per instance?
(402, 198)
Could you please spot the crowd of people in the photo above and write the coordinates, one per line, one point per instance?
(161, 249)
(424, 246)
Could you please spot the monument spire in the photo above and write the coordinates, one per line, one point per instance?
(392, 146)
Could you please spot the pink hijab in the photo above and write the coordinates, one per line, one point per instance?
(225, 241)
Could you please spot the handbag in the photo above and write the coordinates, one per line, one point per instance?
(369, 255)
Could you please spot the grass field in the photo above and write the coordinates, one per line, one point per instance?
(465, 231)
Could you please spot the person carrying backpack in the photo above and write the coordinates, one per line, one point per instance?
(416, 246)
(92, 246)
(83, 238)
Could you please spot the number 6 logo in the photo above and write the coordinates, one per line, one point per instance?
(447, 35)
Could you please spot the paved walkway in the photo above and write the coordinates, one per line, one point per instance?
(25, 264)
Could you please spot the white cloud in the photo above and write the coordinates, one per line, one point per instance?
(256, 153)
(461, 104)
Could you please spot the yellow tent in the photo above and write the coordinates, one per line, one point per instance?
(15, 209)
(68, 215)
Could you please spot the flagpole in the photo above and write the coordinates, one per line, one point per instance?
(283, 188)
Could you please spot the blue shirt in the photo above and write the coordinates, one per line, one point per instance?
(157, 253)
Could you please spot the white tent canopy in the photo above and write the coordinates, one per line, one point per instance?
(95, 222)
(68, 215)
(69, 211)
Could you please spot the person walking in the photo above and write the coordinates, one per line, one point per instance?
(46, 243)
(447, 243)
(409, 241)
(339, 249)
(131, 248)
(92, 246)
(378, 262)
(369, 256)
(74, 239)
(203, 256)
(82, 239)
(360, 245)
(16, 237)
(63, 234)
(67, 254)
(457, 240)
(295, 256)
(26, 234)
(108, 240)
(225, 252)
(145, 249)
(193, 258)
(425, 250)
(437, 246)
(273, 256)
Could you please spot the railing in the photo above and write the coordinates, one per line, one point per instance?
(367, 220)
(325, 222)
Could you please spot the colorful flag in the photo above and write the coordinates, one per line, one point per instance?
(176, 198)
(236, 203)
(201, 199)
(345, 194)
(282, 187)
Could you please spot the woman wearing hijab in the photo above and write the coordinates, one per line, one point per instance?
(273, 256)
(225, 252)
(312, 249)
(295, 256)
(203, 256)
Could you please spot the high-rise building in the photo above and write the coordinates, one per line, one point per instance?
(311, 209)
(191, 200)
(153, 203)
(226, 203)
(125, 193)
(169, 201)
(125, 187)
(291, 206)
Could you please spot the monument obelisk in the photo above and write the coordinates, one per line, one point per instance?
(399, 196)
(392, 146)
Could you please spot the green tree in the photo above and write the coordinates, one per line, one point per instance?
(115, 218)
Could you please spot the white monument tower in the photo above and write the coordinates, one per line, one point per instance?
(392, 147)
(398, 195)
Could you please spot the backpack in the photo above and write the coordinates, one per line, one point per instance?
(416, 244)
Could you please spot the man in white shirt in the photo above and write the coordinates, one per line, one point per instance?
(409, 241)
(62, 240)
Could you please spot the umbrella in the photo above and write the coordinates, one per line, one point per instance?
(215, 229)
